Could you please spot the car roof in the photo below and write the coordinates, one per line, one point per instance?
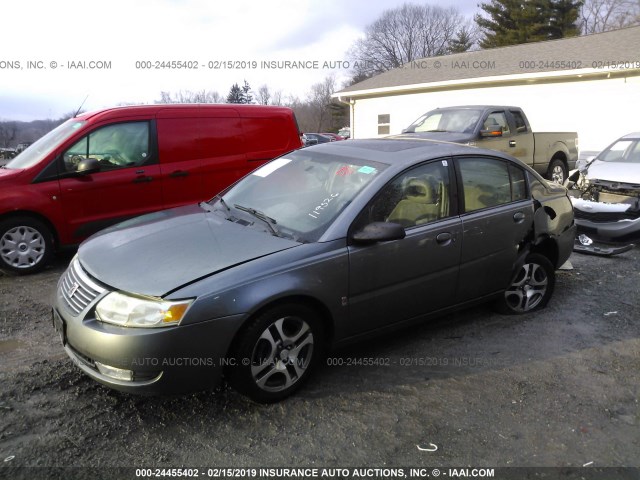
(631, 136)
(401, 150)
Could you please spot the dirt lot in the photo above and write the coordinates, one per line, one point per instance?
(556, 388)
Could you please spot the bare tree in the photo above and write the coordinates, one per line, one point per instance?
(604, 15)
(263, 95)
(319, 100)
(277, 98)
(404, 34)
(8, 131)
(187, 96)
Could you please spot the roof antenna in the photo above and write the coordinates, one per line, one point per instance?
(78, 111)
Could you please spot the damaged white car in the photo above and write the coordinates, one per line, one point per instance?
(605, 193)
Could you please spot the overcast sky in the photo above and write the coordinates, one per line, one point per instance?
(40, 38)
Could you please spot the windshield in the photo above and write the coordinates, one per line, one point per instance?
(45, 145)
(627, 151)
(455, 121)
(299, 195)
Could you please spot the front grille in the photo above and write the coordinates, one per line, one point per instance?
(77, 290)
(605, 216)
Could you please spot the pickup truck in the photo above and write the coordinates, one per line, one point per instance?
(501, 128)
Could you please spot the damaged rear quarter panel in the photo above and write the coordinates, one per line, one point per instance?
(554, 227)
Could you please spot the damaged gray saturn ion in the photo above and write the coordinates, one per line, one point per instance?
(605, 193)
(314, 249)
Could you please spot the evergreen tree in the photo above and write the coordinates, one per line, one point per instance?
(462, 42)
(246, 92)
(236, 95)
(564, 18)
(510, 22)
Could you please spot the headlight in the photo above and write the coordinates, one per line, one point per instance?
(131, 311)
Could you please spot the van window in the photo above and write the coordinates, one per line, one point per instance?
(114, 146)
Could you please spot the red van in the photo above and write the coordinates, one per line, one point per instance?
(104, 167)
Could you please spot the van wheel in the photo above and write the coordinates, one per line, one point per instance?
(531, 289)
(276, 353)
(557, 171)
(26, 245)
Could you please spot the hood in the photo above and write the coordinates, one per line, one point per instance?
(157, 253)
(621, 172)
(8, 174)
(453, 137)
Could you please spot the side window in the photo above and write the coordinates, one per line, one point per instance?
(521, 126)
(114, 146)
(485, 182)
(416, 197)
(518, 184)
(497, 120)
(490, 182)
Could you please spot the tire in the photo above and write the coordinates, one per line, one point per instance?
(276, 353)
(26, 245)
(531, 289)
(557, 172)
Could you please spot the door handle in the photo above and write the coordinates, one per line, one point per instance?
(518, 217)
(512, 143)
(179, 173)
(444, 238)
(142, 179)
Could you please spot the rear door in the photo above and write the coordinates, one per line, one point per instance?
(398, 280)
(127, 184)
(497, 216)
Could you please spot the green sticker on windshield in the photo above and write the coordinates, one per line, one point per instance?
(367, 170)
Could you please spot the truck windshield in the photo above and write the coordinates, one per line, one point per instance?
(41, 148)
(461, 120)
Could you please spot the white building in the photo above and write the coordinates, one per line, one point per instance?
(588, 84)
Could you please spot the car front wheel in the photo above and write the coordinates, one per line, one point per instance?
(276, 353)
(532, 287)
(26, 245)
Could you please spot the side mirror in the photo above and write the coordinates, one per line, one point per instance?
(491, 133)
(87, 166)
(379, 232)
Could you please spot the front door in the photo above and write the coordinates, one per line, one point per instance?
(398, 280)
(127, 184)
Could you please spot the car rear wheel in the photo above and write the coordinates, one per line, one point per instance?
(532, 287)
(277, 352)
(26, 245)
(557, 171)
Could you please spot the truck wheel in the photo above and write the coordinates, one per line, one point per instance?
(557, 171)
(26, 245)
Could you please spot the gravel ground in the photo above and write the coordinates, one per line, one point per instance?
(558, 388)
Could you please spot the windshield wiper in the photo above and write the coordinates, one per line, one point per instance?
(442, 131)
(222, 202)
(270, 222)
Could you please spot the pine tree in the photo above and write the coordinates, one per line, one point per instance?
(510, 22)
(246, 92)
(236, 95)
(462, 42)
(564, 18)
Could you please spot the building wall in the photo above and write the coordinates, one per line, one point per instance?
(599, 110)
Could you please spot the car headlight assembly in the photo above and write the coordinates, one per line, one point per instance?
(133, 311)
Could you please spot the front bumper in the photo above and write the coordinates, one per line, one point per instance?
(605, 221)
(160, 360)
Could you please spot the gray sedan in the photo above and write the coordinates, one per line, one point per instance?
(319, 247)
